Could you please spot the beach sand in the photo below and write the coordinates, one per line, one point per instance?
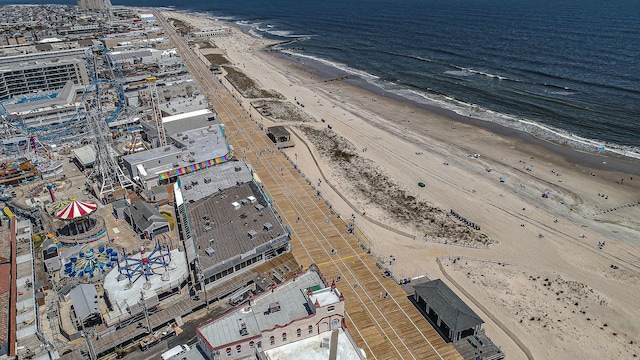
(554, 237)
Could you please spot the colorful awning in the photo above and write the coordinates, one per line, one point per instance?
(76, 209)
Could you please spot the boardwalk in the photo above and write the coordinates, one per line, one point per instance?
(386, 327)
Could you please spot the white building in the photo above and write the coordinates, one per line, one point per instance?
(211, 32)
(301, 308)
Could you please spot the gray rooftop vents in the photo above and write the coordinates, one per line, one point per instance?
(252, 234)
(274, 307)
(210, 251)
(268, 226)
(243, 330)
(259, 207)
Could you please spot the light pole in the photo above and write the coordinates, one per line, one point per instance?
(201, 281)
(87, 338)
(143, 305)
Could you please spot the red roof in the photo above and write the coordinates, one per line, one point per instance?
(5, 279)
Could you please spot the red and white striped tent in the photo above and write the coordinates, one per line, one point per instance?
(76, 209)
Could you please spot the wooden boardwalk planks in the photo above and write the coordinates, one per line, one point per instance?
(385, 327)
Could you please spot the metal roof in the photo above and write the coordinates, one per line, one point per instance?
(86, 155)
(279, 131)
(85, 300)
(450, 308)
(293, 304)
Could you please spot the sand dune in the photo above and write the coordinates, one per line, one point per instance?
(379, 148)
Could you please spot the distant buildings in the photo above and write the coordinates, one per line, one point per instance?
(211, 32)
(94, 4)
(27, 74)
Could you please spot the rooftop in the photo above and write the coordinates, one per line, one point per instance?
(195, 146)
(232, 224)
(325, 297)
(85, 300)
(212, 179)
(450, 308)
(23, 104)
(291, 296)
(310, 349)
(279, 131)
(121, 298)
(151, 154)
(188, 121)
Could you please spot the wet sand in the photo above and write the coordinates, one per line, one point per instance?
(553, 237)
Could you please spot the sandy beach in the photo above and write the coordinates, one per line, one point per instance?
(551, 261)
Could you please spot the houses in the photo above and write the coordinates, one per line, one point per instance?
(145, 220)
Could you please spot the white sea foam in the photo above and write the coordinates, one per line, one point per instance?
(362, 74)
(285, 33)
(458, 73)
(254, 34)
(487, 74)
(539, 130)
(471, 110)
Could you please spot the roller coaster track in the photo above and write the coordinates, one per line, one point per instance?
(72, 128)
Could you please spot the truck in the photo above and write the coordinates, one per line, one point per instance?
(157, 337)
(174, 351)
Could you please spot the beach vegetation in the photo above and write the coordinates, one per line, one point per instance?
(370, 182)
(277, 110)
(247, 87)
(37, 239)
(217, 59)
(205, 45)
(179, 24)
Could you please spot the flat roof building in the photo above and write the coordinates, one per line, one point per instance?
(25, 77)
(189, 152)
(301, 308)
(226, 222)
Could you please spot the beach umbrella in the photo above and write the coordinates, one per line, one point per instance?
(76, 209)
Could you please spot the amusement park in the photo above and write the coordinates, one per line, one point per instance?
(108, 255)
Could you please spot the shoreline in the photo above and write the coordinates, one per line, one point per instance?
(618, 161)
(554, 237)
(613, 161)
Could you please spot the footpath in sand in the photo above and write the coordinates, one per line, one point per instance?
(560, 297)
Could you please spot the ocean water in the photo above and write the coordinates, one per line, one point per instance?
(568, 71)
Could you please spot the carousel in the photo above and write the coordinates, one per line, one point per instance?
(77, 226)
